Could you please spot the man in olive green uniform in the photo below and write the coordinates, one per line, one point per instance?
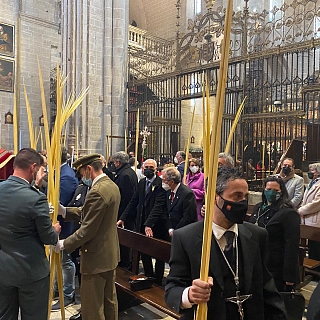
(98, 239)
(25, 226)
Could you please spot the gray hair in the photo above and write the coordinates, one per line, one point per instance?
(182, 154)
(154, 162)
(315, 166)
(121, 157)
(225, 175)
(172, 174)
(228, 157)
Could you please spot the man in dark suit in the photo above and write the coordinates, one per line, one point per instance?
(127, 182)
(181, 202)
(180, 160)
(148, 207)
(237, 262)
(25, 227)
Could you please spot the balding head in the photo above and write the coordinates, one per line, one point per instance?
(150, 163)
(149, 168)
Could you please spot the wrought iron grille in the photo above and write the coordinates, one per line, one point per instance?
(274, 61)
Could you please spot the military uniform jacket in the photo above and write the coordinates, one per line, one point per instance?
(25, 226)
(97, 234)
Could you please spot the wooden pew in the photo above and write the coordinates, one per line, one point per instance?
(154, 247)
(309, 233)
(307, 265)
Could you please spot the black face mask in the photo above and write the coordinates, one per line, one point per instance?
(235, 212)
(286, 170)
(310, 175)
(149, 173)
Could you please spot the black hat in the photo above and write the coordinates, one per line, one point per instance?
(85, 160)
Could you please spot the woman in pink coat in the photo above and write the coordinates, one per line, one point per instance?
(195, 181)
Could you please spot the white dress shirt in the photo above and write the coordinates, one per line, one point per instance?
(218, 233)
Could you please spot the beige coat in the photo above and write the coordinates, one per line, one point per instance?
(310, 207)
(97, 236)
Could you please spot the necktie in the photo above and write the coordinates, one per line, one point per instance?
(172, 197)
(148, 185)
(229, 249)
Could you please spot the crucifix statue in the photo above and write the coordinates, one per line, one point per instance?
(239, 300)
(145, 133)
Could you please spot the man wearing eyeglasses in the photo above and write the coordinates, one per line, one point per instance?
(180, 199)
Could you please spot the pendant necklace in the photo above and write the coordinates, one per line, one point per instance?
(238, 299)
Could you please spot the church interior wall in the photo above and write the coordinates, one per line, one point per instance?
(157, 17)
(93, 53)
(186, 114)
(39, 33)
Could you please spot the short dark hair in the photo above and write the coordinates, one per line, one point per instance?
(290, 159)
(64, 154)
(284, 201)
(96, 165)
(26, 157)
(226, 174)
(182, 154)
(132, 161)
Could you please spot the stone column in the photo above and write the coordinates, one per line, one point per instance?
(95, 54)
(116, 72)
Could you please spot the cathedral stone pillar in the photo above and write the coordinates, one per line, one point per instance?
(117, 24)
(95, 54)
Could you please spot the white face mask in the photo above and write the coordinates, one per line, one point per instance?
(165, 186)
(175, 160)
(194, 169)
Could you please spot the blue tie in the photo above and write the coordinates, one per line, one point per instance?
(148, 185)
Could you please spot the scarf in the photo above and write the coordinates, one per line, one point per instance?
(288, 177)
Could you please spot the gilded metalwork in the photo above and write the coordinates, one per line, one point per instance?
(274, 61)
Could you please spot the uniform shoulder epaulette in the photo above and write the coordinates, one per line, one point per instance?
(36, 188)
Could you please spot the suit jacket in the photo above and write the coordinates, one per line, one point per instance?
(283, 226)
(149, 210)
(295, 188)
(310, 206)
(180, 168)
(68, 185)
(25, 226)
(127, 181)
(97, 234)
(255, 279)
(183, 210)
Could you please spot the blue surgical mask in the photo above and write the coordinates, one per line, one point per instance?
(87, 182)
(272, 195)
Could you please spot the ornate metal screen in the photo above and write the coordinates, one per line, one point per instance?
(274, 61)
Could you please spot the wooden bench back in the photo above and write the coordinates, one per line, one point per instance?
(138, 242)
(310, 233)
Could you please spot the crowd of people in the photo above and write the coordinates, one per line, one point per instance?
(258, 258)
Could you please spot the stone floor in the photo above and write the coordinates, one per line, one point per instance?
(143, 311)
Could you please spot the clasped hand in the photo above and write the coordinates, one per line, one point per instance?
(59, 246)
(200, 291)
